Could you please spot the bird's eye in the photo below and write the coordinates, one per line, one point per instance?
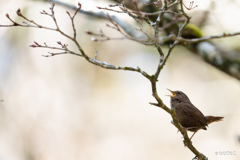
(178, 92)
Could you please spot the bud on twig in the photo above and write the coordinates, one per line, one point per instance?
(32, 45)
(107, 25)
(19, 12)
(36, 43)
(59, 42)
(94, 39)
(79, 6)
(88, 32)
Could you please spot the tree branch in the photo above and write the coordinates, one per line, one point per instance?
(123, 28)
(64, 48)
(101, 15)
(231, 67)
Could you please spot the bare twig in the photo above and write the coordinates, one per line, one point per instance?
(195, 40)
(72, 20)
(64, 47)
(156, 3)
(190, 6)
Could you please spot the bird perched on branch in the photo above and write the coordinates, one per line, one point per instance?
(188, 115)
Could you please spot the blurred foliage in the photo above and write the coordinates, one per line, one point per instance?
(192, 31)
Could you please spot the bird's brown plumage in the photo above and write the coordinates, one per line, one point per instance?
(188, 115)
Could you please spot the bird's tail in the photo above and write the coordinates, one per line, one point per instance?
(211, 119)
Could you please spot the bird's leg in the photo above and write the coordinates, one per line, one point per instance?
(193, 135)
(187, 128)
(194, 132)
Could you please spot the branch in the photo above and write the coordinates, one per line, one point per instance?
(29, 23)
(101, 15)
(226, 61)
(65, 50)
(82, 53)
(196, 40)
(130, 30)
(120, 26)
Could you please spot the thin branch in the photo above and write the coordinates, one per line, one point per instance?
(54, 54)
(103, 37)
(163, 61)
(130, 30)
(101, 15)
(195, 40)
(72, 20)
(83, 54)
(156, 24)
(156, 3)
(157, 44)
(190, 6)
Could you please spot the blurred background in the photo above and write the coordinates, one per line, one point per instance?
(63, 107)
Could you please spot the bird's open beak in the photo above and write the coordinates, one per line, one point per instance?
(173, 94)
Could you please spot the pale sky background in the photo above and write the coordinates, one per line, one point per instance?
(62, 107)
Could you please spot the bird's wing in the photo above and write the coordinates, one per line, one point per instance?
(196, 114)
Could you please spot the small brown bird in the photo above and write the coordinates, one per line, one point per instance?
(188, 115)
